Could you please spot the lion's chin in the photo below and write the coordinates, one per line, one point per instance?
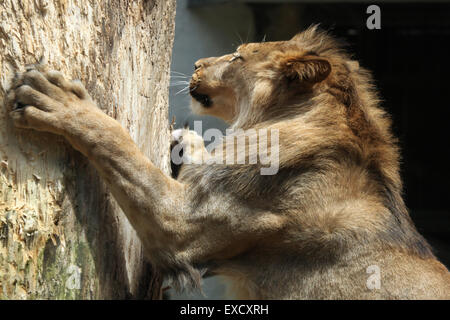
(198, 108)
(203, 99)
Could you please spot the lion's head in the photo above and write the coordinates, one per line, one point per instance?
(260, 77)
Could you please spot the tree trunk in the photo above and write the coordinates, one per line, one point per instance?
(62, 235)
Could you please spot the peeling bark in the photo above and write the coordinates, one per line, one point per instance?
(62, 235)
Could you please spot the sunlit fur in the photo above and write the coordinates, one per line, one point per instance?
(338, 187)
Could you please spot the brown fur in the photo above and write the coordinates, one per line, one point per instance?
(308, 232)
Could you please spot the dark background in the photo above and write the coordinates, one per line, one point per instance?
(409, 57)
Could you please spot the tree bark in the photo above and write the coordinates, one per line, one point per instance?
(62, 235)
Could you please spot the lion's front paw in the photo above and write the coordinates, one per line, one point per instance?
(187, 147)
(45, 100)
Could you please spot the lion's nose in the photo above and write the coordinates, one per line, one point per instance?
(203, 63)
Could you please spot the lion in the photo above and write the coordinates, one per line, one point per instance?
(329, 224)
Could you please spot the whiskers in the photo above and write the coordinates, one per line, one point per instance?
(180, 79)
(239, 37)
(183, 91)
(178, 74)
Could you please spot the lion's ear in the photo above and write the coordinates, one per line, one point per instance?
(307, 69)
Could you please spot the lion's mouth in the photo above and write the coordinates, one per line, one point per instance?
(204, 99)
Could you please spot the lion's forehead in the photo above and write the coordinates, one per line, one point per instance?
(258, 49)
(255, 47)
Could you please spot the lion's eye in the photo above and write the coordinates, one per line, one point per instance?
(236, 55)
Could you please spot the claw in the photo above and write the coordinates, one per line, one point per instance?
(41, 67)
(9, 100)
(30, 67)
(17, 80)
